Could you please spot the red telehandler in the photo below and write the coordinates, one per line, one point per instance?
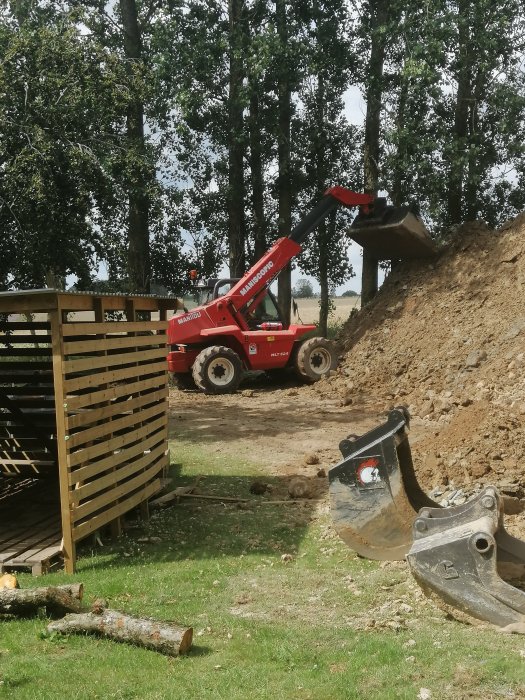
(239, 327)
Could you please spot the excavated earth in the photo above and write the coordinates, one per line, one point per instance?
(444, 337)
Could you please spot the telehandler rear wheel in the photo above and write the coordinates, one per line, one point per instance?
(315, 358)
(217, 370)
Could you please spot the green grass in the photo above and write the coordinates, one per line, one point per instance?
(325, 625)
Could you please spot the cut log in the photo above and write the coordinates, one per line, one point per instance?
(27, 601)
(8, 581)
(163, 637)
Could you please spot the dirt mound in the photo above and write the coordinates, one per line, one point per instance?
(447, 338)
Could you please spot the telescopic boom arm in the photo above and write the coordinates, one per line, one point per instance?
(266, 269)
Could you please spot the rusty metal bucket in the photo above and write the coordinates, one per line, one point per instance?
(392, 233)
(374, 493)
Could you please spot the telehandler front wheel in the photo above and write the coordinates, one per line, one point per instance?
(217, 370)
(314, 359)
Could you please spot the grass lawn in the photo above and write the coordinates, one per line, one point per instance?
(322, 624)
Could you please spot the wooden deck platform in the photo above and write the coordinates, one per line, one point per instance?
(30, 527)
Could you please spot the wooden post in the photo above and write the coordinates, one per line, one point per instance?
(115, 525)
(57, 344)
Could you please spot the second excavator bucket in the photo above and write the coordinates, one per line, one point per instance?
(392, 233)
(464, 557)
(374, 492)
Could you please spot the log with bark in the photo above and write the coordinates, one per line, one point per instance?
(163, 637)
(56, 599)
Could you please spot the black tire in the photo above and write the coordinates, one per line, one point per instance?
(314, 359)
(217, 370)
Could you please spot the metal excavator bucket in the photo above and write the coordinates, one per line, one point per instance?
(462, 555)
(392, 233)
(374, 493)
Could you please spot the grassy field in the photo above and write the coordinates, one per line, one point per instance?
(318, 623)
(309, 309)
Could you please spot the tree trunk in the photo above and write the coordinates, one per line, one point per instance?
(163, 637)
(399, 194)
(374, 91)
(284, 185)
(257, 180)
(236, 147)
(323, 231)
(139, 266)
(461, 112)
(27, 601)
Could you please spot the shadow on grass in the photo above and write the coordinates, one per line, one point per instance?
(190, 528)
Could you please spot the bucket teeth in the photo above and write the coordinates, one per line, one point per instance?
(463, 554)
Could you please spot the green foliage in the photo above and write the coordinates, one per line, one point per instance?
(452, 127)
(349, 293)
(303, 289)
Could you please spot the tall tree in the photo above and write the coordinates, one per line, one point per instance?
(236, 136)
(377, 16)
(139, 174)
(58, 101)
(284, 178)
(326, 146)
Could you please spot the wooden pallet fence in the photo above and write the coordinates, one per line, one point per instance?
(83, 402)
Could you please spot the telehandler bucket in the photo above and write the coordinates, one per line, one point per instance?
(392, 233)
(461, 555)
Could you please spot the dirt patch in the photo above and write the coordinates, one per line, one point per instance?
(443, 337)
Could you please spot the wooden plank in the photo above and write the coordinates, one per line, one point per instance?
(12, 460)
(33, 554)
(114, 477)
(84, 529)
(26, 402)
(39, 389)
(24, 369)
(108, 327)
(32, 535)
(32, 339)
(112, 495)
(115, 375)
(89, 471)
(125, 389)
(25, 352)
(94, 344)
(92, 363)
(31, 303)
(128, 420)
(88, 453)
(24, 326)
(115, 408)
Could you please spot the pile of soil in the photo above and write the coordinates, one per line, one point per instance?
(446, 338)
